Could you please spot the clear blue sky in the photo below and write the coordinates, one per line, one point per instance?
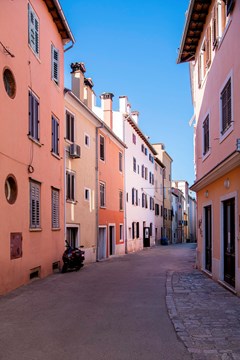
(129, 47)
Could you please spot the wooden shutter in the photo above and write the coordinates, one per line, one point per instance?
(55, 208)
(34, 205)
(55, 64)
(215, 25)
(55, 136)
(33, 116)
(133, 196)
(226, 103)
(208, 47)
(33, 30)
(206, 135)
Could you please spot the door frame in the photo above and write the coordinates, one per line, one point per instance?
(113, 226)
(206, 204)
(223, 198)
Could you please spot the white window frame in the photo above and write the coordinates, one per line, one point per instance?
(70, 126)
(34, 118)
(87, 194)
(55, 136)
(87, 139)
(55, 64)
(55, 208)
(231, 127)
(204, 156)
(70, 186)
(102, 194)
(35, 204)
(33, 30)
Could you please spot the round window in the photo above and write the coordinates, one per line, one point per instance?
(9, 83)
(11, 189)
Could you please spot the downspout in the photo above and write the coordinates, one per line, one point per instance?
(97, 191)
(125, 198)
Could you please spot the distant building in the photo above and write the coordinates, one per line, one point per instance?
(166, 159)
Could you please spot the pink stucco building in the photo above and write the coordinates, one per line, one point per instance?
(31, 146)
(210, 44)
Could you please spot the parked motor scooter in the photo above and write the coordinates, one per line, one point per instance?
(73, 258)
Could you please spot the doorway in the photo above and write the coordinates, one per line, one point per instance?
(229, 241)
(111, 239)
(102, 242)
(208, 237)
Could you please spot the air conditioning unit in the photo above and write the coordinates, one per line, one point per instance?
(74, 151)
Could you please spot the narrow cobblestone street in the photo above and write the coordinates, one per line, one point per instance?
(116, 309)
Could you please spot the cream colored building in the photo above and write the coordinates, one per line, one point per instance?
(80, 164)
(166, 159)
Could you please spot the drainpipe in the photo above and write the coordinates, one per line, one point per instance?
(65, 227)
(97, 184)
(124, 190)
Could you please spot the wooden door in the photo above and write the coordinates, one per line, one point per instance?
(229, 241)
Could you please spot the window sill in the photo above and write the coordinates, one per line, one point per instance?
(225, 134)
(224, 34)
(56, 229)
(34, 140)
(35, 229)
(56, 155)
(103, 207)
(35, 54)
(205, 156)
(74, 202)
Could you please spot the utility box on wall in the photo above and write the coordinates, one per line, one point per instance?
(15, 245)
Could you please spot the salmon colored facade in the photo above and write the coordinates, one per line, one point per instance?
(215, 71)
(110, 194)
(31, 155)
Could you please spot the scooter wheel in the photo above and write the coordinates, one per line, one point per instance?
(64, 268)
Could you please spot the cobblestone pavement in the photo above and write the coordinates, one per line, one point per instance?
(206, 316)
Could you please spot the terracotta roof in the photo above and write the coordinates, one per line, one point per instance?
(58, 16)
(195, 20)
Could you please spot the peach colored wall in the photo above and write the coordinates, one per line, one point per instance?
(17, 151)
(114, 180)
(207, 99)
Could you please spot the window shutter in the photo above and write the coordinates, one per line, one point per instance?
(215, 26)
(226, 106)
(55, 208)
(133, 193)
(34, 205)
(208, 47)
(33, 30)
(55, 64)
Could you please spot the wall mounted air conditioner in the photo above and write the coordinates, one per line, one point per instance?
(74, 151)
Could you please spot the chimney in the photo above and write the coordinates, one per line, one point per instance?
(106, 102)
(78, 70)
(88, 92)
(135, 115)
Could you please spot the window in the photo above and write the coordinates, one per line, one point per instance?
(143, 171)
(55, 136)
(206, 135)
(220, 17)
(55, 209)
(143, 200)
(9, 83)
(134, 196)
(226, 107)
(55, 64)
(157, 209)
(151, 229)
(33, 30)
(34, 205)
(143, 148)
(102, 148)
(70, 186)
(121, 232)
(146, 151)
(120, 161)
(151, 203)
(33, 111)
(102, 195)
(69, 126)
(146, 173)
(11, 189)
(87, 140)
(137, 230)
(134, 138)
(87, 194)
(120, 200)
(133, 230)
(134, 164)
